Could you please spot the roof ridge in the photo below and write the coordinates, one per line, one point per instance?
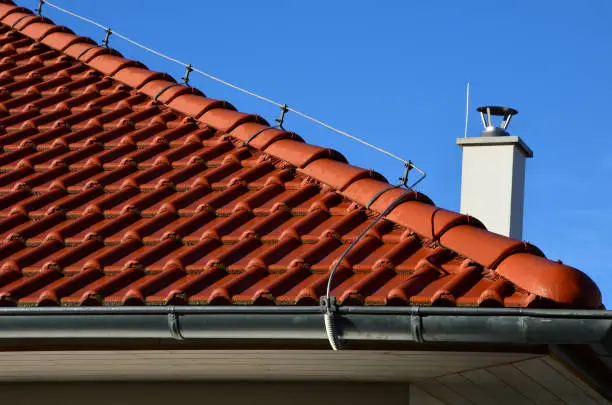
(519, 262)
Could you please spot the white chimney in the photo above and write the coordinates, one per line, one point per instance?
(493, 174)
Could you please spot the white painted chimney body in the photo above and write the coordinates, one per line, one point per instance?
(493, 180)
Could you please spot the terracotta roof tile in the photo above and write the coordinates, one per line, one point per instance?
(119, 186)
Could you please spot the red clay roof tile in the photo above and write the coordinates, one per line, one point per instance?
(119, 186)
(261, 136)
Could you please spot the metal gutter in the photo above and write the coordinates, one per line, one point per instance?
(380, 324)
(296, 327)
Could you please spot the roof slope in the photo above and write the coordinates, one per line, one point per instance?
(120, 187)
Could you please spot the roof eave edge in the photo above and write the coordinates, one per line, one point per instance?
(382, 324)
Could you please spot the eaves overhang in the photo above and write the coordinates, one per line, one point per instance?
(291, 327)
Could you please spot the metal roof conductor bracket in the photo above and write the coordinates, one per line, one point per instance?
(404, 179)
(185, 78)
(109, 32)
(40, 6)
(281, 119)
(409, 166)
(284, 110)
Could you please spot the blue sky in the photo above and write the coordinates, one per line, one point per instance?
(395, 72)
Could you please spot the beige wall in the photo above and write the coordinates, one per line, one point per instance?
(154, 393)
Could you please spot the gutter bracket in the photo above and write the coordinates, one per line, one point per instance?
(416, 326)
(173, 324)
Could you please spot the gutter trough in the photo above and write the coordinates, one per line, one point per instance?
(354, 324)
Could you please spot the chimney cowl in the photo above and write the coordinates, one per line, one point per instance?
(486, 114)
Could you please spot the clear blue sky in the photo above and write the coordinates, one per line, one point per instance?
(395, 73)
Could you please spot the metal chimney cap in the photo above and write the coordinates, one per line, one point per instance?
(497, 110)
(486, 112)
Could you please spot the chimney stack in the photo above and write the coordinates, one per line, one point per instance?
(493, 174)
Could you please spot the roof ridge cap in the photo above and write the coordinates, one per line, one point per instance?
(524, 266)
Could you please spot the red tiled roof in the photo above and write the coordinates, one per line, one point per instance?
(119, 189)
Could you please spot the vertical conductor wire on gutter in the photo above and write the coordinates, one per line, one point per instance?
(328, 300)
